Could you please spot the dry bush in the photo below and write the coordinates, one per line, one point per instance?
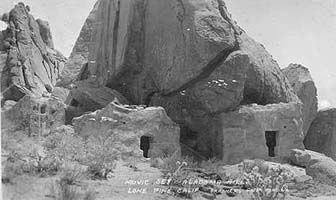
(168, 163)
(101, 154)
(65, 187)
(264, 182)
(72, 173)
(97, 152)
(63, 147)
(60, 190)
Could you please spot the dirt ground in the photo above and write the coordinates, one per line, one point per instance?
(119, 186)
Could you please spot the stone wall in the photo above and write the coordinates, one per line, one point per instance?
(127, 125)
(243, 131)
(38, 115)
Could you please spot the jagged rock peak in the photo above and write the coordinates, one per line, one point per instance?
(79, 56)
(29, 64)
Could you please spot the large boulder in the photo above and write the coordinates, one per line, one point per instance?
(90, 97)
(134, 128)
(86, 96)
(31, 66)
(36, 115)
(80, 52)
(321, 136)
(163, 54)
(318, 166)
(265, 83)
(304, 87)
(187, 56)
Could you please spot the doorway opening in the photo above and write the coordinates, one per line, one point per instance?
(43, 108)
(271, 142)
(145, 145)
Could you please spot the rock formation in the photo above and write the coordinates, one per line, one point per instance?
(187, 56)
(86, 96)
(28, 64)
(45, 33)
(80, 52)
(304, 87)
(321, 136)
(318, 166)
(135, 128)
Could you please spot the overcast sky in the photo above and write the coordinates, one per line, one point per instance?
(293, 31)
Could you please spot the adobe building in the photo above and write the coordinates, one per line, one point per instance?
(257, 131)
(138, 132)
(38, 115)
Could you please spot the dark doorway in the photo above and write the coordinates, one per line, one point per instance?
(271, 142)
(43, 108)
(145, 145)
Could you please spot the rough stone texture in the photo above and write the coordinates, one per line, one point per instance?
(265, 83)
(31, 67)
(162, 54)
(299, 157)
(80, 52)
(187, 56)
(242, 134)
(63, 129)
(304, 87)
(89, 97)
(45, 33)
(61, 93)
(127, 125)
(318, 166)
(321, 136)
(38, 115)
(223, 88)
(8, 105)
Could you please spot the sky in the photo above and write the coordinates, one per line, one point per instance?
(293, 31)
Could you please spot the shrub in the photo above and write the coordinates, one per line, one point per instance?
(63, 147)
(60, 190)
(72, 173)
(98, 152)
(264, 184)
(101, 154)
(168, 163)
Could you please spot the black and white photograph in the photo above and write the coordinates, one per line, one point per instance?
(168, 99)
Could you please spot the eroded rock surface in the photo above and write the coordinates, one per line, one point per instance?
(321, 136)
(45, 33)
(31, 65)
(80, 52)
(90, 97)
(304, 87)
(187, 56)
(87, 96)
(37, 115)
(129, 125)
(318, 166)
